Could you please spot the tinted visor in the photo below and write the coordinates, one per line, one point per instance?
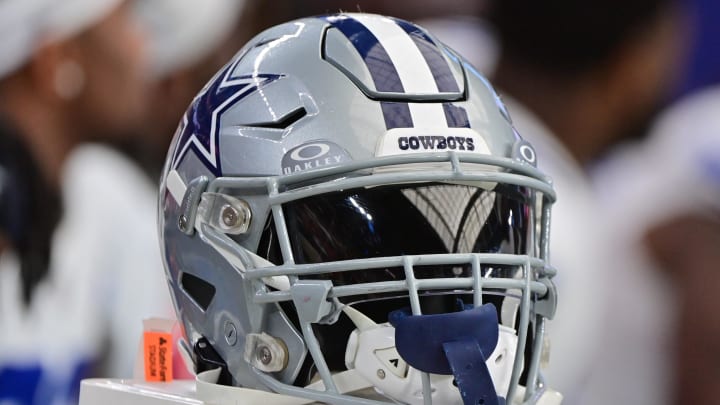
(406, 220)
(399, 220)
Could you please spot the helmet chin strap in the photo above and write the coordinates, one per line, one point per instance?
(466, 365)
(467, 362)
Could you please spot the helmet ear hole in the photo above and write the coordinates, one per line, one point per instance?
(206, 358)
(198, 289)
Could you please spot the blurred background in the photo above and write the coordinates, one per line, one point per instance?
(619, 98)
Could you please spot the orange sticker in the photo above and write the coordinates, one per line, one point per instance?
(157, 353)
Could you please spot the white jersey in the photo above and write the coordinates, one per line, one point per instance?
(676, 170)
(105, 276)
(578, 249)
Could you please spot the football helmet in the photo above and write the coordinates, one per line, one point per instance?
(347, 215)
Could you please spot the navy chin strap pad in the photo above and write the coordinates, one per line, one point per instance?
(420, 339)
(456, 343)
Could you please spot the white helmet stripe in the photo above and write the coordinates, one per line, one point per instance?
(413, 69)
(433, 54)
(410, 64)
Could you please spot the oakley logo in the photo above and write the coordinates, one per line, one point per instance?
(527, 152)
(312, 156)
(436, 143)
(310, 151)
(523, 151)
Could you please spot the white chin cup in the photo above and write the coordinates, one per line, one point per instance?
(372, 354)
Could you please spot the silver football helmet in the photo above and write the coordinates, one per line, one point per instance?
(347, 215)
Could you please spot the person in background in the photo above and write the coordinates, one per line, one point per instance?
(29, 210)
(579, 77)
(703, 66)
(80, 267)
(667, 207)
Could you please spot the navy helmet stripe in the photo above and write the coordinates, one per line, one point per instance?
(397, 114)
(456, 116)
(383, 71)
(438, 65)
(412, 29)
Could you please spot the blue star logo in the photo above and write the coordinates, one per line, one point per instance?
(200, 125)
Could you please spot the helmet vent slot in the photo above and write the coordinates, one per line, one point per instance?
(198, 289)
(284, 121)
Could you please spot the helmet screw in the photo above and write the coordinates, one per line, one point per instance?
(264, 354)
(230, 333)
(229, 215)
(182, 223)
(381, 374)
